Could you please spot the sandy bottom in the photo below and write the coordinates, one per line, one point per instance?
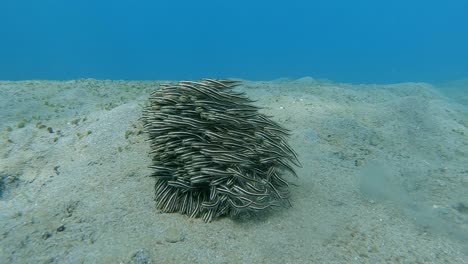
(384, 178)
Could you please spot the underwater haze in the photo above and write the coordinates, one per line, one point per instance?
(359, 41)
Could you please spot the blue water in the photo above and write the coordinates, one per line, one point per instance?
(351, 41)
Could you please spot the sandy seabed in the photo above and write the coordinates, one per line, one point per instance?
(384, 178)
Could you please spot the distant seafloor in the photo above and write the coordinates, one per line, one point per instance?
(384, 177)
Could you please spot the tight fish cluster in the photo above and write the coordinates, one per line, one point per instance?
(213, 153)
